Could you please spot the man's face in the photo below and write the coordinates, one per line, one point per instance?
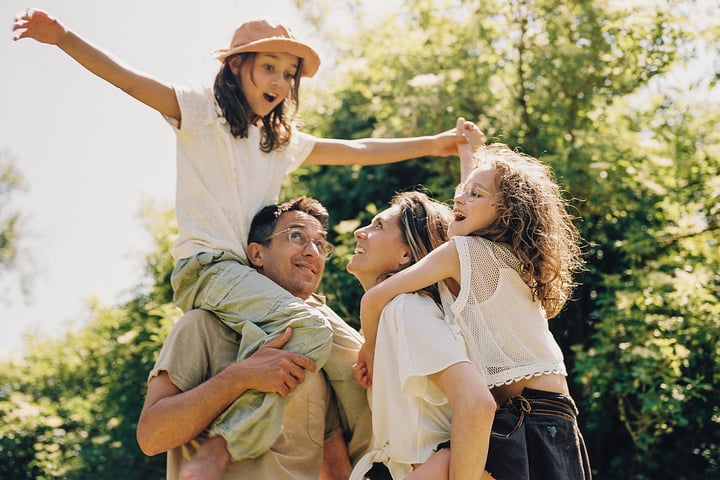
(298, 269)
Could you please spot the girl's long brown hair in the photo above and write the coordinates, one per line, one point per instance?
(534, 222)
(236, 110)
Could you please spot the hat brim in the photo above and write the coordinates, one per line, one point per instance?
(311, 60)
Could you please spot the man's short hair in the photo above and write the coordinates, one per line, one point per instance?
(265, 220)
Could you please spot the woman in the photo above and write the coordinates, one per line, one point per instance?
(513, 250)
(425, 392)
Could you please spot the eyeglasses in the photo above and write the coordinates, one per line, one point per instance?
(298, 237)
(471, 192)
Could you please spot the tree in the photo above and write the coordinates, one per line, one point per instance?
(11, 271)
(69, 409)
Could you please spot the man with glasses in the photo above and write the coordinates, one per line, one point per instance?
(197, 376)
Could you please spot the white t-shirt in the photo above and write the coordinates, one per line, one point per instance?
(223, 181)
(410, 415)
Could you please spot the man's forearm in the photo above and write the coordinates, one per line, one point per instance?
(172, 418)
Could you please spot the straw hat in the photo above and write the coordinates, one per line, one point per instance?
(263, 35)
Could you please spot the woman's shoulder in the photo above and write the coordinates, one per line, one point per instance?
(410, 302)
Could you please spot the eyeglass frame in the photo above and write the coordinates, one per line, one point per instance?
(326, 250)
(468, 188)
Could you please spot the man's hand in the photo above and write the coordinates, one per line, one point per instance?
(273, 370)
(38, 25)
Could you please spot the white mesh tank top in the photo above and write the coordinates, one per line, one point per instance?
(506, 331)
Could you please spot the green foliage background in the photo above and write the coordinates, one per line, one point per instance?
(581, 85)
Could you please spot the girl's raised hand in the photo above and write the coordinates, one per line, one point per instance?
(360, 374)
(38, 25)
(362, 369)
(475, 137)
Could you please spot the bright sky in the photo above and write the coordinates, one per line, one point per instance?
(90, 155)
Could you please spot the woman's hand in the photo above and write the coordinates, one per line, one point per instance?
(38, 25)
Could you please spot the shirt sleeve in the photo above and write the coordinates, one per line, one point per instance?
(425, 344)
(197, 347)
(333, 426)
(197, 108)
(300, 147)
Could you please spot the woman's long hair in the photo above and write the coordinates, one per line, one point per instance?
(424, 223)
(237, 112)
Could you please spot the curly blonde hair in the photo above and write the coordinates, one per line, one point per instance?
(534, 222)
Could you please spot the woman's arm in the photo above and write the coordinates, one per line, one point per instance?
(438, 265)
(42, 27)
(473, 409)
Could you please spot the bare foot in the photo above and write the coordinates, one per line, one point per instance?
(209, 461)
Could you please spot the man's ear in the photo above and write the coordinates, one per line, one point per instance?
(256, 254)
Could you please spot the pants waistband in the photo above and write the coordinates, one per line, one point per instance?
(535, 400)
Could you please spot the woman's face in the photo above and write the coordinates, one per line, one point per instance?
(380, 248)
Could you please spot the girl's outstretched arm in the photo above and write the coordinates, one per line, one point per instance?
(377, 151)
(42, 27)
(438, 265)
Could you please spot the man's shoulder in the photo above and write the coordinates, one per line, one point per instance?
(316, 299)
(339, 325)
(200, 330)
(198, 320)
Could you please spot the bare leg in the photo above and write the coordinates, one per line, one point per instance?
(209, 461)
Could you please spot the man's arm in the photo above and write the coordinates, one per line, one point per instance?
(171, 417)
